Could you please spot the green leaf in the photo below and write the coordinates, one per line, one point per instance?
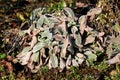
(78, 39)
(3, 55)
(90, 56)
(54, 60)
(26, 49)
(47, 21)
(40, 21)
(36, 56)
(116, 27)
(69, 12)
(36, 12)
(46, 34)
(38, 46)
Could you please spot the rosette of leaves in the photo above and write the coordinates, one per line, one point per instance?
(59, 40)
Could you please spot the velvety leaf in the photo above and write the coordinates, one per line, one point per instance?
(36, 56)
(26, 49)
(47, 21)
(54, 61)
(54, 20)
(38, 46)
(62, 26)
(35, 12)
(40, 21)
(46, 34)
(69, 12)
(90, 56)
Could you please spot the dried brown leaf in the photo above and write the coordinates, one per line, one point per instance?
(89, 39)
(101, 34)
(9, 66)
(88, 29)
(33, 42)
(115, 40)
(64, 47)
(56, 50)
(114, 60)
(74, 63)
(42, 52)
(30, 63)
(58, 37)
(94, 11)
(82, 22)
(62, 64)
(68, 62)
(25, 59)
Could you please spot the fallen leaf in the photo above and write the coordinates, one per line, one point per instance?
(68, 62)
(30, 64)
(33, 42)
(42, 53)
(58, 37)
(82, 21)
(64, 47)
(69, 12)
(62, 64)
(101, 34)
(115, 40)
(74, 63)
(9, 66)
(24, 60)
(56, 50)
(88, 29)
(114, 60)
(89, 39)
(40, 21)
(94, 11)
(54, 60)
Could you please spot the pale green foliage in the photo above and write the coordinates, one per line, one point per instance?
(55, 39)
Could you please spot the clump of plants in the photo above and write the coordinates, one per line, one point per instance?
(60, 41)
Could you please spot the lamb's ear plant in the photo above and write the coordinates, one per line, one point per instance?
(58, 40)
